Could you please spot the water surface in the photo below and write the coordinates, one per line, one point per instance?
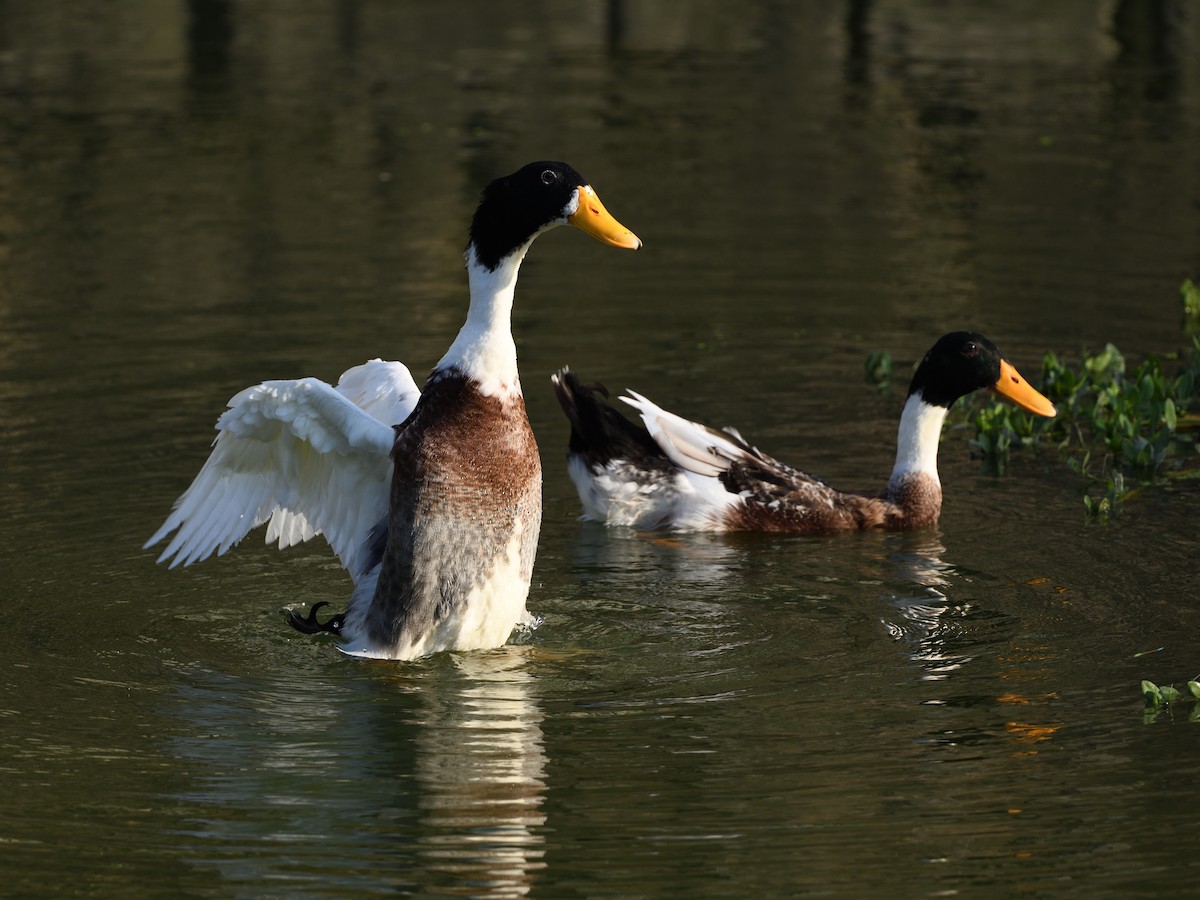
(200, 196)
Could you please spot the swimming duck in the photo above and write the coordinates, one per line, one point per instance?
(681, 475)
(431, 500)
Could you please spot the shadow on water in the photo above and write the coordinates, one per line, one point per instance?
(210, 36)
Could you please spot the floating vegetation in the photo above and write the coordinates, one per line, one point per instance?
(1191, 306)
(1167, 697)
(879, 370)
(1119, 426)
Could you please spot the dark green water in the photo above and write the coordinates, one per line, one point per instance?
(198, 196)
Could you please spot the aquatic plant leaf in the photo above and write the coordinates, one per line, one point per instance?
(1152, 694)
(1190, 293)
(879, 369)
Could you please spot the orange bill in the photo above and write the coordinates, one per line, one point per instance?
(592, 217)
(1021, 392)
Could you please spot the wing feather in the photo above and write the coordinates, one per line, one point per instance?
(690, 445)
(300, 455)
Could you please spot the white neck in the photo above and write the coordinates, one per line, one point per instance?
(917, 440)
(484, 350)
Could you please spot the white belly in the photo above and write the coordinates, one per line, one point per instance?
(492, 609)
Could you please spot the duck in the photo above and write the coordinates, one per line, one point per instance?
(674, 474)
(430, 497)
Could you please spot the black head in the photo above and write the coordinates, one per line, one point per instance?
(516, 207)
(959, 363)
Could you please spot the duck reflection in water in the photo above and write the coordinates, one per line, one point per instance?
(481, 769)
(699, 560)
(946, 635)
(430, 780)
(924, 614)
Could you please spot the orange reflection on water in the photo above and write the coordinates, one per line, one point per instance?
(1028, 734)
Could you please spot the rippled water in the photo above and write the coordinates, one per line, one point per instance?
(200, 196)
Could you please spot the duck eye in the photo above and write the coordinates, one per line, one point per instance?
(549, 176)
(969, 349)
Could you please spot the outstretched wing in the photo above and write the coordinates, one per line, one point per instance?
(306, 457)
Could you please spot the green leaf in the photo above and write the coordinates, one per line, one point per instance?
(879, 368)
(1170, 694)
(1194, 687)
(1191, 297)
(1169, 413)
(1152, 694)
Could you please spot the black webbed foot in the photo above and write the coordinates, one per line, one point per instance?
(310, 625)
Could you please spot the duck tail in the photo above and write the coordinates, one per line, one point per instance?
(599, 433)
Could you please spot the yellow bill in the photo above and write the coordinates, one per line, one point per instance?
(1021, 392)
(592, 217)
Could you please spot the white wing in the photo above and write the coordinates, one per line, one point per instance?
(384, 389)
(309, 458)
(690, 445)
